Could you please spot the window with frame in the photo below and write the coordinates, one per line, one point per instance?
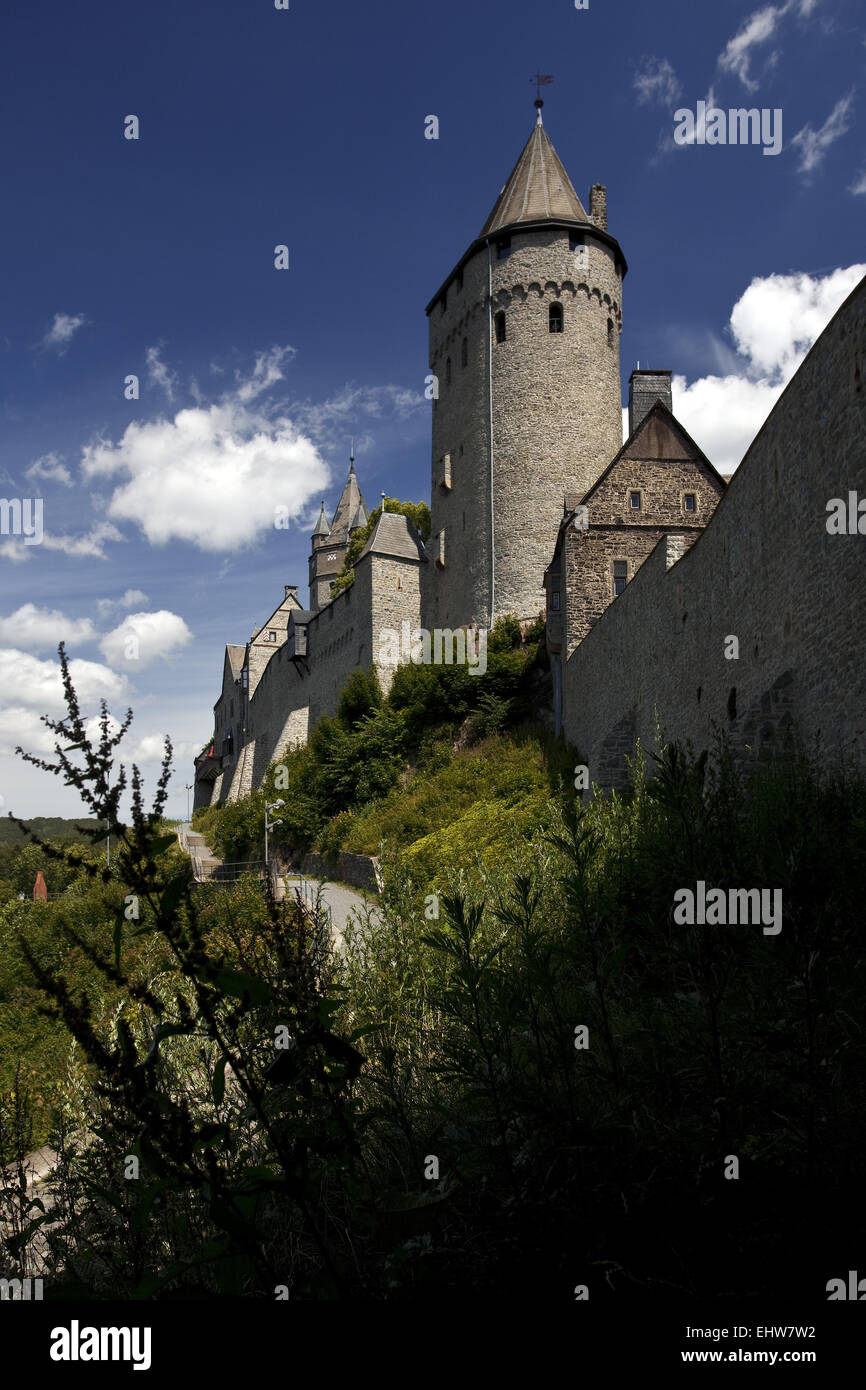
(634, 501)
(499, 326)
(620, 576)
(554, 600)
(554, 318)
(690, 502)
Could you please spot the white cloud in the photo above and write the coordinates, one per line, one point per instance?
(89, 546)
(211, 476)
(158, 373)
(760, 27)
(26, 681)
(265, 374)
(773, 324)
(656, 82)
(814, 144)
(321, 418)
(859, 184)
(38, 629)
(142, 637)
(104, 606)
(61, 332)
(50, 467)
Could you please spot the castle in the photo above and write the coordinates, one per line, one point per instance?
(539, 508)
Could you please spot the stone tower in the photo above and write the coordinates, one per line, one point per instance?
(524, 348)
(331, 541)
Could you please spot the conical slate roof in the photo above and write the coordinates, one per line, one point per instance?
(347, 507)
(322, 527)
(538, 188)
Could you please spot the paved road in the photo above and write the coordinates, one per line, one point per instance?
(342, 901)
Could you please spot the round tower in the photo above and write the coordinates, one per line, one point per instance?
(524, 348)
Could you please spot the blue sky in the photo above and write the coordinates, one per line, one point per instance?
(305, 127)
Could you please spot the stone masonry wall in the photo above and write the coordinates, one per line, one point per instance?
(766, 571)
(557, 413)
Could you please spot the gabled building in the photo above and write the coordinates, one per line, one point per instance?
(659, 483)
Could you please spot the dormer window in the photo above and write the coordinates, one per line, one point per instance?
(554, 318)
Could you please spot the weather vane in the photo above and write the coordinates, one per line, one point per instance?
(540, 81)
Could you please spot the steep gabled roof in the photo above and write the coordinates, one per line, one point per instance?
(394, 535)
(657, 412)
(538, 188)
(235, 657)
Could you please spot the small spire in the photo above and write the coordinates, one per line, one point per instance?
(322, 527)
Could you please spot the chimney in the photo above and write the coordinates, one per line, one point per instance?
(644, 389)
(291, 591)
(598, 205)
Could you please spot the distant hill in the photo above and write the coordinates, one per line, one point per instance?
(47, 828)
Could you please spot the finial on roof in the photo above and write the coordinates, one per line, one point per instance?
(384, 508)
(352, 456)
(538, 103)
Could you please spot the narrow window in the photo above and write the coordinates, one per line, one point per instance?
(499, 324)
(554, 602)
(503, 248)
(440, 558)
(445, 474)
(690, 502)
(620, 576)
(272, 636)
(447, 371)
(610, 333)
(464, 352)
(554, 318)
(634, 501)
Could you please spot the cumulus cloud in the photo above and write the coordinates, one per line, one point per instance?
(656, 83)
(38, 629)
(104, 606)
(773, 325)
(89, 546)
(62, 331)
(213, 476)
(51, 468)
(158, 374)
(814, 144)
(33, 684)
(142, 637)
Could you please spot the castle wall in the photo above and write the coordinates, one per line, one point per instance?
(556, 410)
(291, 696)
(766, 571)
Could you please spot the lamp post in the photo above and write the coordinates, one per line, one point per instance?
(188, 790)
(269, 824)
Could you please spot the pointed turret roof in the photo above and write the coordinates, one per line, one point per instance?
(348, 505)
(538, 188)
(322, 527)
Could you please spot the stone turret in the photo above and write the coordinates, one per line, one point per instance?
(524, 340)
(331, 541)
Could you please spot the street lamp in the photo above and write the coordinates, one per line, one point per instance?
(188, 790)
(269, 824)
